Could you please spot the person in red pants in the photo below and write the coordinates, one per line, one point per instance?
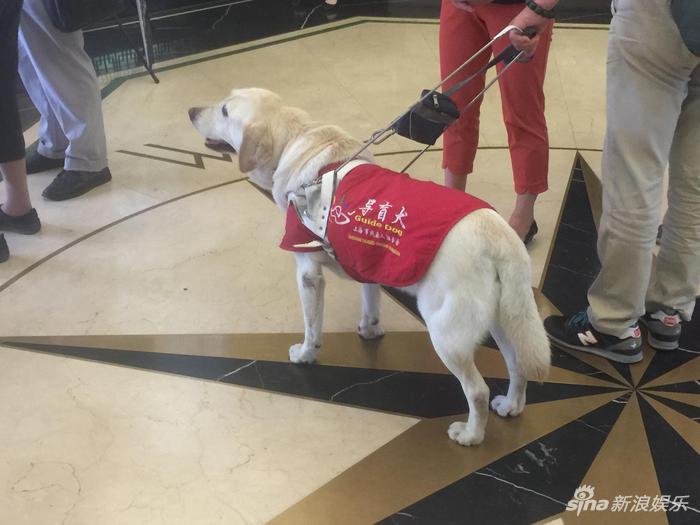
(465, 27)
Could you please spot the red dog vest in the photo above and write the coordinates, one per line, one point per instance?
(384, 226)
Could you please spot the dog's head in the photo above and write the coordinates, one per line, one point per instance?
(247, 123)
(278, 146)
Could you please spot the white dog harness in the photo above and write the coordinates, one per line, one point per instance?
(314, 204)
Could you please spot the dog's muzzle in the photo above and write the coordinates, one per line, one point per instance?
(214, 144)
(219, 145)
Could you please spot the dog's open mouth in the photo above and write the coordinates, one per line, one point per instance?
(219, 145)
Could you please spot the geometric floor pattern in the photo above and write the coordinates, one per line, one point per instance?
(624, 430)
(628, 433)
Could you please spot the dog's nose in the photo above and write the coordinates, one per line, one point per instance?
(193, 112)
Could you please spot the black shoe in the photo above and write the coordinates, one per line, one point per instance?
(36, 162)
(663, 329)
(69, 184)
(4, 250)
(26, 224)
(577, 333)
(531, 233)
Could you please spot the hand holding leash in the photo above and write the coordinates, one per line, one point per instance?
(535, 16)
(525, 41)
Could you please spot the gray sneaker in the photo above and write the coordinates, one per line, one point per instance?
(663, 329)
(577, 333)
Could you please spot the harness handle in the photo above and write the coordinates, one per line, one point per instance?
(506, 56)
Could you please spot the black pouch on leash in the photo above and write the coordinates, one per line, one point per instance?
(428, 118)
(686, 14)
(434, 113)
(72, 15)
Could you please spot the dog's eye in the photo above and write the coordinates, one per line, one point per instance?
(224, 111)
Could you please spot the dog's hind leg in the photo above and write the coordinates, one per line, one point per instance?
(311, 286)
(369, 327)
(456, 347)
(477, 392)
(513, 403)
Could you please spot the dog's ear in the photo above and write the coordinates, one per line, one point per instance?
(256, 147)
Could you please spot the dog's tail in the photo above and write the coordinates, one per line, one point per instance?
(517, 311)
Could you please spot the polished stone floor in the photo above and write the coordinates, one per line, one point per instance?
(144, 335)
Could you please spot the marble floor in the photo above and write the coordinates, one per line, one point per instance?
(143, 343)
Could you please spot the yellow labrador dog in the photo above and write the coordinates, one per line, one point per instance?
(478, 281)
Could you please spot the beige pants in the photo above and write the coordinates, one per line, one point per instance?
(653, 112)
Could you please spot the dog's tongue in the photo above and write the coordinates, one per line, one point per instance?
(218, 145)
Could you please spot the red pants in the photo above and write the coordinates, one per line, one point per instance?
(522, 98)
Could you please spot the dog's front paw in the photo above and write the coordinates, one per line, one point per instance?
(505, 406)
(298, 353)
(458, 432)
(370, 329)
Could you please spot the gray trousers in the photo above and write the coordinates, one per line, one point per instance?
(62, 84)
(653, 121)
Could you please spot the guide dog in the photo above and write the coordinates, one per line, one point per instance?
(478, 280)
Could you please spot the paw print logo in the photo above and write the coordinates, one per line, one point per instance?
(584, 492)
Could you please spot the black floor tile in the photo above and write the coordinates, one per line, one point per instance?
(410, 393)
(574, 262)
(529, 485)
(676, 463)
(689, 411)
(688, 387)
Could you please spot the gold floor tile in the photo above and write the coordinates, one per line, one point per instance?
(423, 460)
(599, 363)
(690, 371)
(490, 364)
(688, 399)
